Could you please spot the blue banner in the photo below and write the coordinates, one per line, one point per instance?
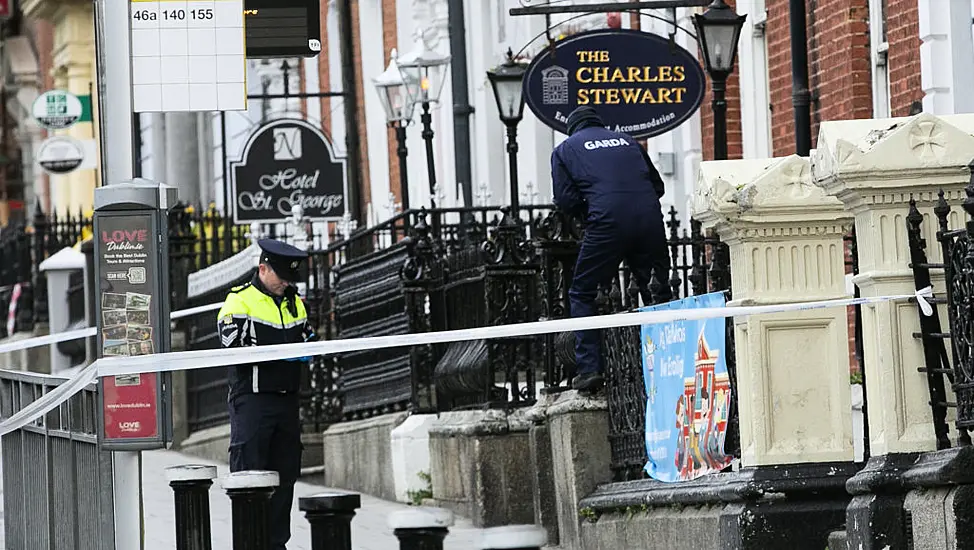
(688, 392)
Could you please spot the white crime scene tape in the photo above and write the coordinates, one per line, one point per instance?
(89, 332)
(201, 359)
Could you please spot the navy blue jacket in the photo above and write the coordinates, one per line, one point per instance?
(604, 176)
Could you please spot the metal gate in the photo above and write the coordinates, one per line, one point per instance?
(57, 486)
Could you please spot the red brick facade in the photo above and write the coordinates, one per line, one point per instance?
(390, 38)
(903, 35)
(839, 68)
(360, 82)
(324, 72)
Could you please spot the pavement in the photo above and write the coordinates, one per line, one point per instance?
(369, 528)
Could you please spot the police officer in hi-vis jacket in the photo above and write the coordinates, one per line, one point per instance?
(265, 431)
(606, 179)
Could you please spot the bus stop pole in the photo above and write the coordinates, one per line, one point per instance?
(112, 26)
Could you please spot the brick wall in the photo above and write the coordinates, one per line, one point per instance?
(838, 66)
(390, 40)
(360, 83)
(903, 36)
(324, 71)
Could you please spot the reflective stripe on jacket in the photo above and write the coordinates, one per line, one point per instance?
(251, 316)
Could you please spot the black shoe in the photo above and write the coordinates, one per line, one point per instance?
(588, 383)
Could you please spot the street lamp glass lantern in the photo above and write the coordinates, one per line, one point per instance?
(718, 31)
(507, 83)
(422, 71)
(393, 93)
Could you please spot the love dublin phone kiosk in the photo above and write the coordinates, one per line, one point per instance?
(131, 229)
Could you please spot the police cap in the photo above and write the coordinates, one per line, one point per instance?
(283, 258)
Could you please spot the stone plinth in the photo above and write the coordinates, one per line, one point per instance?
(786, 245)
(480, 466)
(874, 167)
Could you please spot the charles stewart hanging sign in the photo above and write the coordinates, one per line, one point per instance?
(288, 162)
(639, 83)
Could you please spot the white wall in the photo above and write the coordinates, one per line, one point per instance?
(946, 63)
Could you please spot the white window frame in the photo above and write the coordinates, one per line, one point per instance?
(754, 82)
(878, 54)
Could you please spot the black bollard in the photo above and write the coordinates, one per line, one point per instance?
(191, 490)
(514, 537)
(330, 516)
(421, 528)
(250, 494)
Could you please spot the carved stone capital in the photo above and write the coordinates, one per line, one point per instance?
(767, 198)
(858, 159)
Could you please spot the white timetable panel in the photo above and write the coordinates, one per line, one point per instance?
(188, 55)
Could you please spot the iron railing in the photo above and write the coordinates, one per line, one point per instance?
(57, 485)
(941, 366)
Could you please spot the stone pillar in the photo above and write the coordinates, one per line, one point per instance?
(58, 269)
(875, 167)
(786, 244)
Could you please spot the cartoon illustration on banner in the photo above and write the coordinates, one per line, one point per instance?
(688, 393)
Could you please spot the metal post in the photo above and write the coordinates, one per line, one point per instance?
(719, 107)
(191, 490)
(115, 124)
(427, 120)
(514, 537)
(349, 82)
(800, 94)
(421, 528)
(512, 159)
(250, 495)
(461, 99)
(403, 168)
(330, 516)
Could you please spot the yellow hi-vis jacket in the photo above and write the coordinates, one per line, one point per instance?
(251, 316)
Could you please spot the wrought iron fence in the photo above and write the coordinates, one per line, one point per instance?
(941, 366)
(430, 270)
(58, 450)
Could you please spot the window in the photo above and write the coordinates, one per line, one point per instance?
(755, 92)
(878, 53)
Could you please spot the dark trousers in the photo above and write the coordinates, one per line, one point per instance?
(265, 434)
(642, 243)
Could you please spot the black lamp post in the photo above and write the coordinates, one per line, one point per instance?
(422, 73)
(506, 81)
(399, 114)
(718, 30)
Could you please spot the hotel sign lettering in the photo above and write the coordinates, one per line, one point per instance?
(640, 83)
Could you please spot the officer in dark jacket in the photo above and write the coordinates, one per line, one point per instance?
(607, 179)
(265, 431)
